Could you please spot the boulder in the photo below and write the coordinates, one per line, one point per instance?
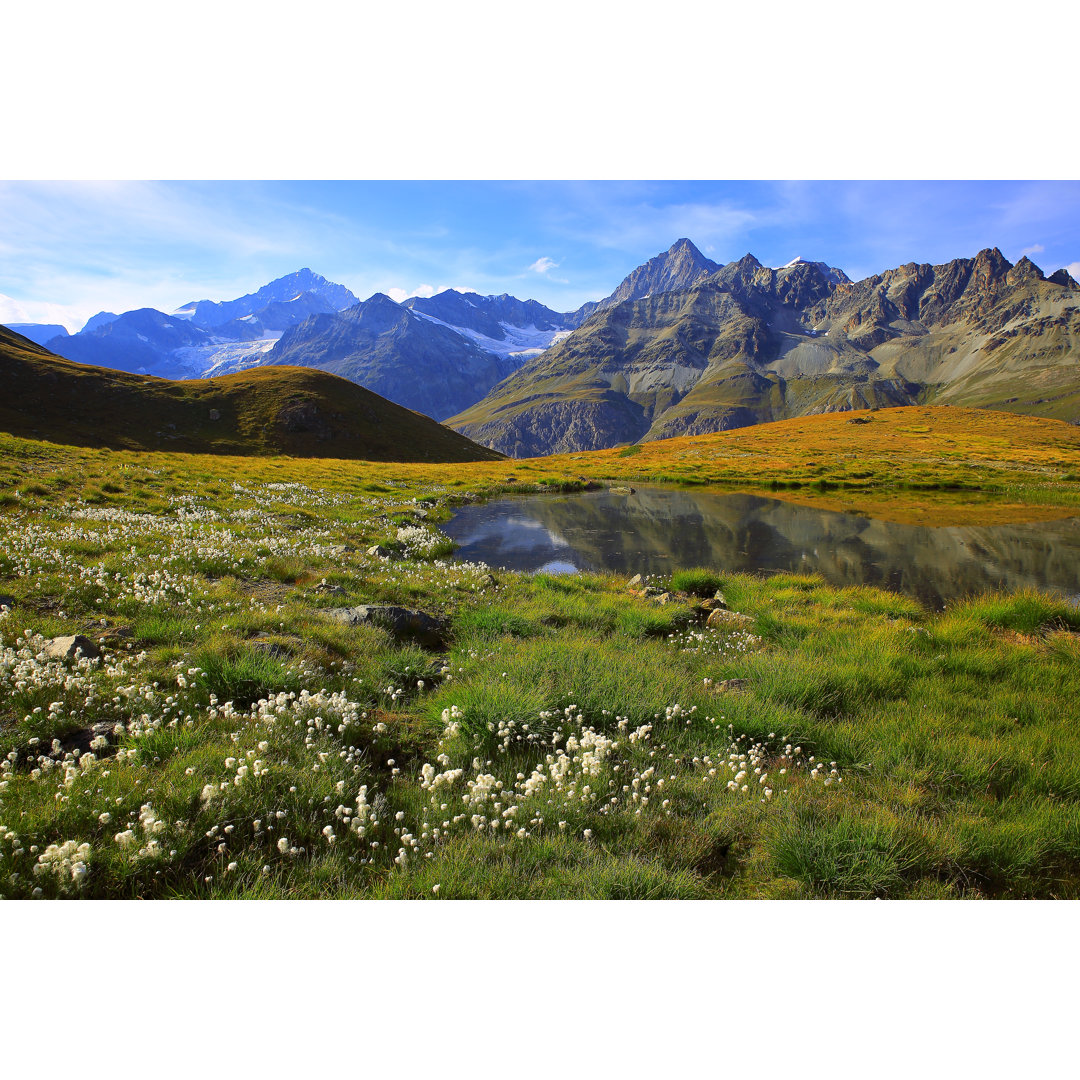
(732, 686)
(636, 582)
(67, 648)
(273, 649)
(402, 622)
(731, 619)
(380, 552)
(714, 603)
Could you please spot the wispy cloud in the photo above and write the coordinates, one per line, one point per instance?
(1034, 249)
(543, 266)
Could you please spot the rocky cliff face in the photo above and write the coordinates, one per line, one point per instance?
(676, 269)
(747, 343)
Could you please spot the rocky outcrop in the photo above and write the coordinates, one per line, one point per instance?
(403, 623)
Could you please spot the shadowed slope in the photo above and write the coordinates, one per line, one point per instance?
(279, 410)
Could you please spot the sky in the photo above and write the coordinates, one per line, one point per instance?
(69, 249)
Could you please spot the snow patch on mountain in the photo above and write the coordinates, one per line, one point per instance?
(521, 342)
(209, 361)
(831, 273)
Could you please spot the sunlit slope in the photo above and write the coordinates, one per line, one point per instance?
(281, 410)
(937, 445)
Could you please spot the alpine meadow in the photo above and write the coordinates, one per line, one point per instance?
(244, 653)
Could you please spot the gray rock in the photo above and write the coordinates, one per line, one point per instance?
(214, 414)
(66, 648)
(714, 603)
(271, 648)
(622, 489)
(723, 617)
(636, 582)
(401, 622)
(330, 590)
(732, 686)
(380, 551)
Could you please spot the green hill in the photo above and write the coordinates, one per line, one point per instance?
(279, 410)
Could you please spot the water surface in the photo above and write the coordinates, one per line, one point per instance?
(657, 530)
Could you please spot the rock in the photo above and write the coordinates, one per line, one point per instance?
(636, 582)
(7, 601)
(714, 603)
(379, 551)
(401, 622)
(66, 648)
(271, 648)
(215, 414)
(622, 489)
(732, 686)
(723, 617)
(652, 590)
(487, 581)
(330, 590)
(663, 598)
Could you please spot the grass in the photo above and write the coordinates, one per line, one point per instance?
(234, 739)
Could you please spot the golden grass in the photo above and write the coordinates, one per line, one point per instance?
(917, 465)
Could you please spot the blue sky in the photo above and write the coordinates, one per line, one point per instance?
(69, 249)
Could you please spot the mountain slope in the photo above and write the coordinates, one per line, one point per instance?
(284, 302)
(292, 411)
(39, 333)
(400, 354)
(749, 344)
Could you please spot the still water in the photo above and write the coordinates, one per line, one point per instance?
(657, 530)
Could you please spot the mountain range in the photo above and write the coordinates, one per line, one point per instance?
(202, 335)
(683, 345)
(728, 346)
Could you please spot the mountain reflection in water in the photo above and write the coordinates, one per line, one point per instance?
(658, 530)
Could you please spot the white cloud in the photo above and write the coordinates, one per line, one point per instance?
(33, 311)
(1033, 250)
(543, 265)
(1074, 269)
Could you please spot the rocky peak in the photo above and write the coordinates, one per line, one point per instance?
(990, 264)
(678, 268)
(1025, 270)
(1063, 277)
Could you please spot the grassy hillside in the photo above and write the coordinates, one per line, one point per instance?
(295, 411)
